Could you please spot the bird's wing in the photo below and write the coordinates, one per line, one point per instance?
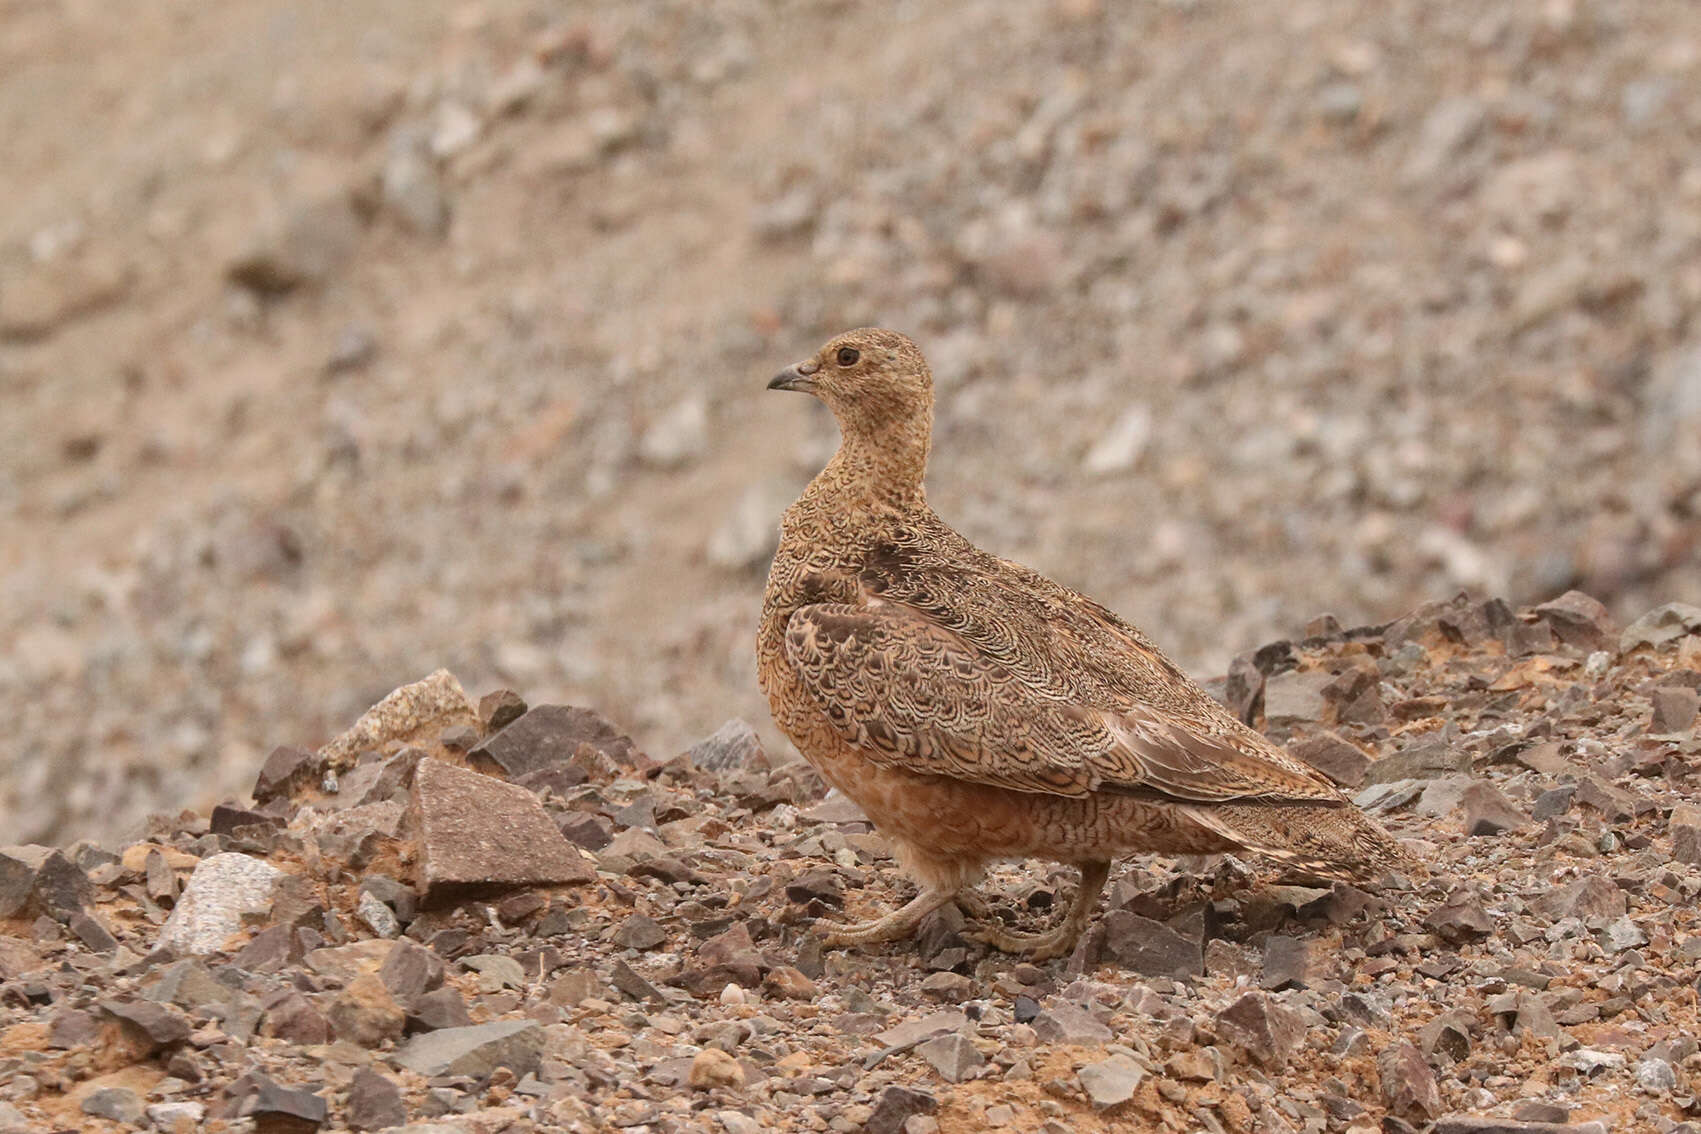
(912, 694)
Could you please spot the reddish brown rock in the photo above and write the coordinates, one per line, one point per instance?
(478, 833)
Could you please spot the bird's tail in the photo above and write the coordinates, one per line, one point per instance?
(1339, 842)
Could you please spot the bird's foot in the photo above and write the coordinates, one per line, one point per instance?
(975, 907)
(899, 923)
(1059, 942)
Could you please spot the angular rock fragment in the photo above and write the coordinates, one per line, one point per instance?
(276, 1109)
(374, 1101)
(223, 891)
(285, 772)
(1675, 707)
(1487, 811)
(1265, 1030)
(1579, 620)
(1149, 947)
(1334, 756)
(410, 714)
(896, 1106)
(1287, 963)
(1460, 918)
(1069, 1024)
(475, 1051)
(1111, 1082)
(477, 833)
(1408, 1085)
(365, 1014)
(1684, 826)
(550, 736)
(713, 1068)
(37, 881)
(437, 1009)
(952, 1055)
(733, 745)
(500, 709)
(1661, 625)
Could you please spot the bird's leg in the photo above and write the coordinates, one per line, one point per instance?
(900, 922)
(1060, 941)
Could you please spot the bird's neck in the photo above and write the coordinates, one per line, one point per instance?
(880, 467)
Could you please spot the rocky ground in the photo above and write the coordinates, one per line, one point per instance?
(337, 338)
(489, 917)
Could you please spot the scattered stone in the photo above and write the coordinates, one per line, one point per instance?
(952, 1055)
(548, 737)
(41, 881)
(896, 1106)
(1111, 1082)
(1295, 698)
(374, 1101)
(475, 1051)
(478, 833)
(308, 245)
(1408, 1085)
(1149, 947)
(1334, 756)
(1487, 811)
(1068, 1024)
(712, 1068)
(1265, 1030)
(1460, 918)
(438, 1009)
(223, 891)
(1661, 625)
(119, 1104)
(733, 745)
(378, 917)
(277, 1109)
(1684, 827)
(1675, 707)
(365, 1013)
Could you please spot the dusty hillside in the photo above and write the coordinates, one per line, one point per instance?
(344, 342)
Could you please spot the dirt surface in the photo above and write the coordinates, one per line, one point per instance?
(300, 963)
(337, 344)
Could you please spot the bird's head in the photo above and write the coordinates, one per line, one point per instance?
(871, 379)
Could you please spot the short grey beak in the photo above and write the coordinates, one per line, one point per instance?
(797, 377)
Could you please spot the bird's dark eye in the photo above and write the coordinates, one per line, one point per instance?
(848, 356)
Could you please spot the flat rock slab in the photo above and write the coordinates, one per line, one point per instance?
(223, 890)
(550, 736)
(477, 832)
(475, 1051)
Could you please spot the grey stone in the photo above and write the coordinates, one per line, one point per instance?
(1487, 811)
(1579, 620)
(275, 1107)
(1674, 708)
(496, 972)
(548, 736)
(478, 833)
(896, 1106)
(438, 1009)
(223, 890)
(1460, 918)
(307, 245)
(475, 1051)
(374, 1101)
(410, 971)
(149, 1026)
(120, 1104)
(1265, 1030)
(1593, 896)
(378, 917)
(640, 932)
(733, 745)
(1684, 827)
(1287, 963)
(1111, 1082)
(952, 1055)
(1149, 947)
(1295, 698)
(1661, 625)
(36, 880)
(1067, 1023)
(1408, 1085)
(173, 1117)
(1424, 759)
(1334, 756)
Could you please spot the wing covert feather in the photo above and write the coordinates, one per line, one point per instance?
(912, 694)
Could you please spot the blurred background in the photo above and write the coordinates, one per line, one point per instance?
(343, 341)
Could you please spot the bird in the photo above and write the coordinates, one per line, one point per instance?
(979, 712)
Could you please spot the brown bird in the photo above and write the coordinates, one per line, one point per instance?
(978, 711)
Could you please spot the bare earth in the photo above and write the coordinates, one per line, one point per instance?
(340, 343)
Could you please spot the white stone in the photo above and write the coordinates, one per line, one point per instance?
(221, 891)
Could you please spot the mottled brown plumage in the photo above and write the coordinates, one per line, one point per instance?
(978, 711)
